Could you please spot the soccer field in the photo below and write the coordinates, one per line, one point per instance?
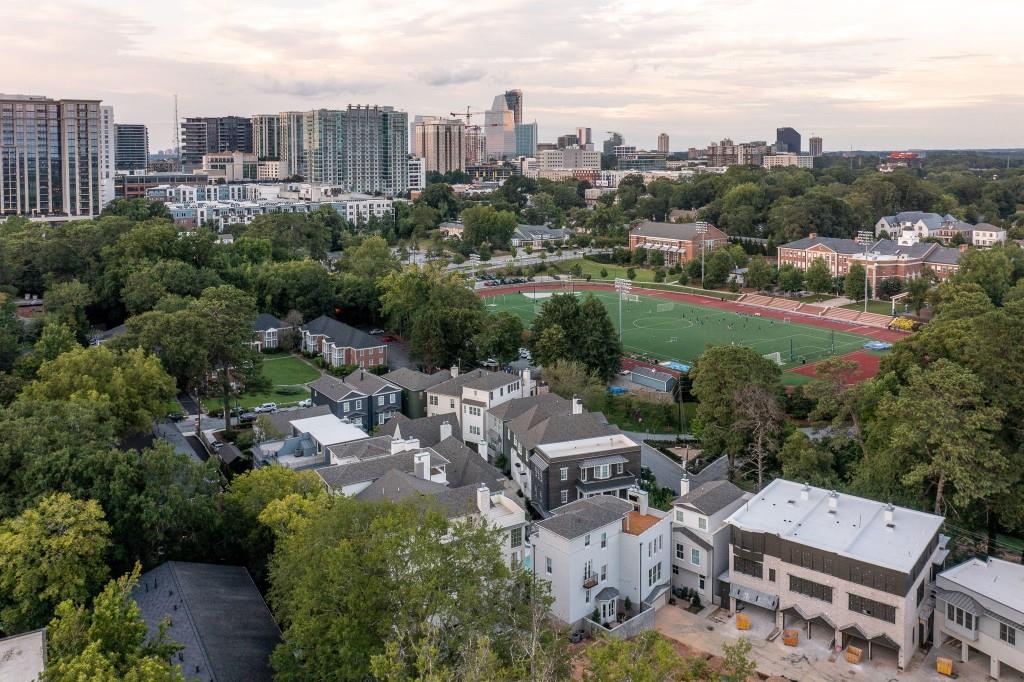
(672, 330)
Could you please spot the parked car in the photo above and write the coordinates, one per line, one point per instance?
(217, 445)
(176, 416)
(265, 407)
(388, 339)
(247, 417)
(308, 402)
(376, 331)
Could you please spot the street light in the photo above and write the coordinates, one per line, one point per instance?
(702, 229)
(623, 286)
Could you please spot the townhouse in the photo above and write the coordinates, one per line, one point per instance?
(469, 395)
(429, 431)
(339, 344)
(300, 439)
(605, 557)
(700, 536)
(849, 571)
(980, 610)
(518, 414)
(414, 385)
(267, 331)
(679, 242)
(361, 397)
(883, 259)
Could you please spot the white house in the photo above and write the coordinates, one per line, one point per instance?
(471, 394)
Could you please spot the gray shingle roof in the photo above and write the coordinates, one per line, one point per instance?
(693, 537)
(362, 449)
(683, 231)
(281, 419)
(538, 406)
(334, 388)
(369, 383)
(944, 256)
(396, 485)
(265, 321)
(410, 379)
(479, 379)
(425, 429)
(339, 475)
(585, 516)
(341, 334)
(467, 467)
(847, 246)
(217, 613)
(562, 428)
(711, 497)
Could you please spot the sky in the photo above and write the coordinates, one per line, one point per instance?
(872, 74)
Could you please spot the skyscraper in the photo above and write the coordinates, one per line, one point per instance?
(663, 143)
(614, 140)
(292, 144)
(50, 153)
(584, 139)
(439, 142)
(526, 139)
(514, 101)
(787, 140)
(205, 135)
(500, 130)
(132, 147)
(815, 145)
(566, 141)
(475, 145)
(376, 150)
(108, 155)
(266, 136)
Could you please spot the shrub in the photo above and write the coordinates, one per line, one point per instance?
(604, 273)
(290, 390)
(595, 616)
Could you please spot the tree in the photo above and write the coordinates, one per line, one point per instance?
(760, 421)
(648, 657)
(717, 267)
(991, 268)
(802, 461)
(759, 273)
(10, 334)
(586, 334)
(303, 285)
(109, 640)
(551, 345)
(818, 276)
(717, 374)
(570, 379)
(131, 384)
(737, 667)
(917, 291)
(500, 337)
(853, 284)
(48, 553)
(57, 338)
(889, 287)
(790, 278)
(66, 302)
(362, 269)
(485, 224)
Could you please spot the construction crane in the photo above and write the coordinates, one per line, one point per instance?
(469, 114)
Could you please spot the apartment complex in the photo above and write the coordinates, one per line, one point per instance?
(339, 344)
(361, 397)
(850, 569)
(210, 134)
(229, 166)
(500, 130)
(569, 158)
(815, 146)
(50, 157)
(131, 141)
(108, 155)
(882, 259)
(526, 139)
(266, 136)
(729, 153)
(439, 142)
(679, 242)
(788, 159)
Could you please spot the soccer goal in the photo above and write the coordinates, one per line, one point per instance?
(775, 357)
(665, 307)
(631, 298)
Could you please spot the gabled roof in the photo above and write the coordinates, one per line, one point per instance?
(369, 383)
(563, 428)
(265, 321)
(846, 246)
(396, 485)
(410, 379)
(692, 537)
(197, 599)
(522, 413)
(282, 419)
(425, 429)
(681, 231)
(479, 379)
(711, 497)
(341, 334)
(652, 373)
(334, 388)
(467, 467)
(370, 469)
(584, 516)
(534, 232)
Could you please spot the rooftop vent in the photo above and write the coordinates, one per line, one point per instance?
(889, 514)
(833, 502)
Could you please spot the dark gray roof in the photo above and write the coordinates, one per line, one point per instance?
(467, 467)
(562, 428)
(280, 419)
(370, 469)
(848, 246)
(425, 429)
(362, 449)
(944, 256)
(334, 388)
(652, 373)
(684, 231)
(607, 594)
(711, 497)
(532, 232)
(692, 537)
(217, 613)
(369, 383)
(265, 321)
(479, 379)
(585, 516)
(409, 378)
(538, 406)
(396, 485)
(341, 334)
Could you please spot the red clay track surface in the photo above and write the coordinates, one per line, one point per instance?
(867, 367)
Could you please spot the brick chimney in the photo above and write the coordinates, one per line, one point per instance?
(446, 430)
(812, 235)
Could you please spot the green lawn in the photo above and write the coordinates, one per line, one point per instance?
(283, 371)
(670, 330)
(644, 277)
(880, 307)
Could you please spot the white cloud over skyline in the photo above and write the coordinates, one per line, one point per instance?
(871, 75)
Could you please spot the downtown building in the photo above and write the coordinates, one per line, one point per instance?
(500, 130)
(131, 142)
(212, 134)
(439, 142)
(51, 156)
(266, 136)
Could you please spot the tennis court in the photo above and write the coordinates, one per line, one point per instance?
(673, 330)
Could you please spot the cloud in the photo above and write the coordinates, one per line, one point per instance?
(315, 87)
(451, 76)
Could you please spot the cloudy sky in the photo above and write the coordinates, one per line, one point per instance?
(872, 74)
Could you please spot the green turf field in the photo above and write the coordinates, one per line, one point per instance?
(671, 330)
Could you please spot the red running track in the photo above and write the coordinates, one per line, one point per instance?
(887, 335)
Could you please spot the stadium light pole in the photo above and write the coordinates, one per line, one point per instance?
(702, 230)
(866, 237)
(623, 286)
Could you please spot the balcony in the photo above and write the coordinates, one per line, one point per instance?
(589, 581)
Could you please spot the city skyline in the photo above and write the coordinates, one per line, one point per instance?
(872, 76)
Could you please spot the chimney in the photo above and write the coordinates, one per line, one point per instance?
(362, 375)
(805, 492)
(577, 405)
(421, 465)
(833, 502)
(400, 445)
(812, 235)
(963, 248)
(446, 430)
(684, 483)
(454, 371)
(641, 498)
(483, 498)
(527, 382)
(889, 513)
(481, 449)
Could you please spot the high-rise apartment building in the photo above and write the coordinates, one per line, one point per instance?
(569, 140)
(108, 155)
(663, 143)
(526, 139)
(614, 140)
(500, 130)
(514, 101)
(475, 145)
(584, 138)
(376, 150)
(291, 142)
(132, 146)
(324, 131)
(815, 146)
(439, 142)
(50, 152)
(266, 136)
(206, 135)
(787, 140)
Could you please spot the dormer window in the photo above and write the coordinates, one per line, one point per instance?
(602, 471)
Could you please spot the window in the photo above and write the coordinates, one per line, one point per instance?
(380, 400)
(451, 403)
(359, 404)
(515, 537)
(679, 516)
(563, 496)
(563, 474)
(586, 540)
(346, 406)
(771, 575)
(1008, 634)
(604, 572)
(810, 588)
(680, 551)
(618, 468)
(695, 556)
(702, 523)
(381, 418)
(653, 574)
(870, 607)
(700, 581)
(747, 566)
(675, 570)
(547, 564)
(433, 400)
(604, 540)
(394, 398)
(950, 612)
(602, 471)
(650, 548)
(586, 596)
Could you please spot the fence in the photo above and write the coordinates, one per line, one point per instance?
(627, 629)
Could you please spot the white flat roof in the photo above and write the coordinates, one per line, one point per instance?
(1001, 581)
(23, 657)
(857, 529)
(586, 445)
(328, 429)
